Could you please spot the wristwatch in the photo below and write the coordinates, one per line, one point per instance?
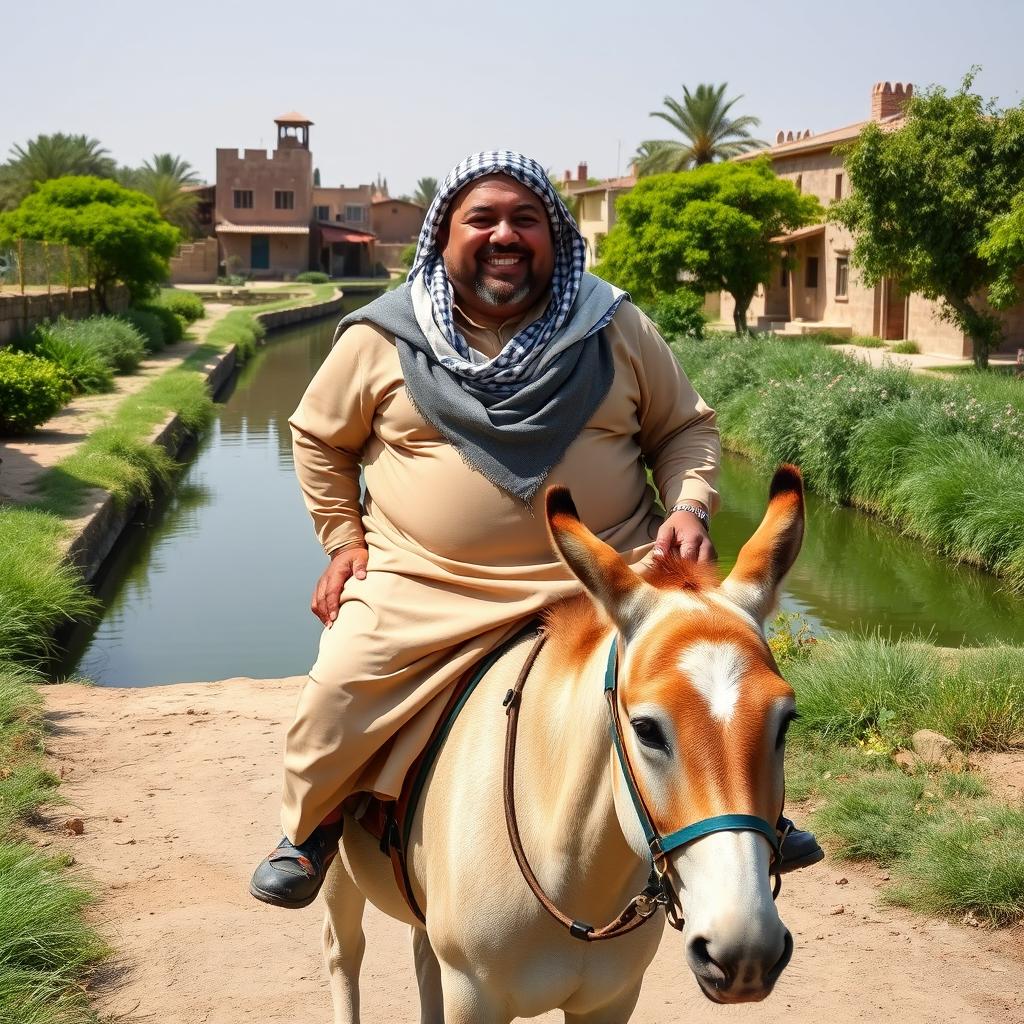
(685, 506)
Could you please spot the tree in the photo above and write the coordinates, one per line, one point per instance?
(934, 204)
(316, 177)
(51, 156)
(426, 189)
(709, 133)
(165, 179)
(121, 229)
(709, 229)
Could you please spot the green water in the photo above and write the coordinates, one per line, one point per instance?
(215, 582)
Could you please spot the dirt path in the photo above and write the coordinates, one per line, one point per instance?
(177, 790)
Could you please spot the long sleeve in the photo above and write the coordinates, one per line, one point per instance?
(678, 435)
(329, 431)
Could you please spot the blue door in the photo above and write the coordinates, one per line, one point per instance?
(259, 254)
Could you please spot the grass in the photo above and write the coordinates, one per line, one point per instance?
(45, 947)
(950, 848)
(905, 348)
(938, 458)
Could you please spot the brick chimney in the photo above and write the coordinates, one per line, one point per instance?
(889, 98)
(581, 172)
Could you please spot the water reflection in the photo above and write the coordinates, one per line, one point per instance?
(216, 581)
(856, 573)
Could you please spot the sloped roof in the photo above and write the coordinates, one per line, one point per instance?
(823, 140)
(625, 182)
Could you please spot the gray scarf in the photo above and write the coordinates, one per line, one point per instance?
(513, 439)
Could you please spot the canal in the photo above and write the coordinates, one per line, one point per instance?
(214, 581)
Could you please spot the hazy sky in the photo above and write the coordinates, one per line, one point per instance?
(408, 89)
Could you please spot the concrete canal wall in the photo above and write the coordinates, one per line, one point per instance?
(102, 524)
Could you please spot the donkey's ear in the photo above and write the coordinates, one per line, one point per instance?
(606, 577)
(766, 558)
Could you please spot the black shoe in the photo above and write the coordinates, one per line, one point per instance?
(799, 848)
(291, 876)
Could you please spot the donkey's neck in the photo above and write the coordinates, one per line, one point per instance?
(568, 789)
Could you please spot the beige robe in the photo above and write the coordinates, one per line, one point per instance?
(455, 564)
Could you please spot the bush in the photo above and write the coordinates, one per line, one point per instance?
(84, 365)
(173, 325)
(906, 348)
(679, 315)
(186, 304)
(31, 391)
(408, 256)
(312, 277)
(149, 325)
(115, 341)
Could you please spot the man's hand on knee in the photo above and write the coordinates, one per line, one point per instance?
(344, 564)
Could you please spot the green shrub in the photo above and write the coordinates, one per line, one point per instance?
(408, 256)
(31, 391)
(85, 367)
(312, 277)
(187, 305)
(149, 325)
(680, 314)
(905, 348)
(174, 326)
(115, 341)
(866, 341)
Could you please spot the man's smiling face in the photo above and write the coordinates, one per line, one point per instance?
(497, 248)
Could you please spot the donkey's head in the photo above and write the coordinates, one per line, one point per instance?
(704, 712)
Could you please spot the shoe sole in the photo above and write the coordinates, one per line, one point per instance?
(802, 862)
(278, 901)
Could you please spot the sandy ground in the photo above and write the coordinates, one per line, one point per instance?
(176, 788)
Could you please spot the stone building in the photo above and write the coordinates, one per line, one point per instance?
(264, 204)
(817, 289)
(271, 221)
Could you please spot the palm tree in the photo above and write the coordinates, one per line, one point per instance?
(709, 134)
(426, 189)
(51, 156)
(165, 179)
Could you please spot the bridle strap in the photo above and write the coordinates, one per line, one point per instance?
(639, 909)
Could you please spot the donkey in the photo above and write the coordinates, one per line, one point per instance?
(700, 712)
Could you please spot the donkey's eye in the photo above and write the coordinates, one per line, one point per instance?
(784, 728)
(649, 733)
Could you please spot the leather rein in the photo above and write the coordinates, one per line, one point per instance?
(659, 891)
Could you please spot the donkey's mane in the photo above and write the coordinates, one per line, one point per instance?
(575, 625)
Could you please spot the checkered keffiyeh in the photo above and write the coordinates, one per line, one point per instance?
(518, 362)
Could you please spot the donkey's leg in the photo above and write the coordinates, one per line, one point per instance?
(428, 978)
(343, 941)
(466, 1002)
(616, 1012)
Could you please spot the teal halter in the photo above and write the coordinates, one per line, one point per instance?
(660, 846)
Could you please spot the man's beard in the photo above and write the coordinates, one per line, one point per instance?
(501, 293)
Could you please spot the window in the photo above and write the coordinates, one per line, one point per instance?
(799, 183)
(839, 186)
(243, 198)
(284, 199)
(323, 213)
(842, 276)
(353, 213)
(811, 272)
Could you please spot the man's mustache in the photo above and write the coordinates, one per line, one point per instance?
(503, 250)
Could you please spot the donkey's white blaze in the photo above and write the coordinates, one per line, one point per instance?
(715, 671)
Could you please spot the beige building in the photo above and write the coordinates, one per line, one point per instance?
(595, 210)
(818, 290)
(263, 204)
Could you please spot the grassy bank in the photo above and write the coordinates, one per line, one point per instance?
(45, 948)
(950, 847)
(939, 459)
